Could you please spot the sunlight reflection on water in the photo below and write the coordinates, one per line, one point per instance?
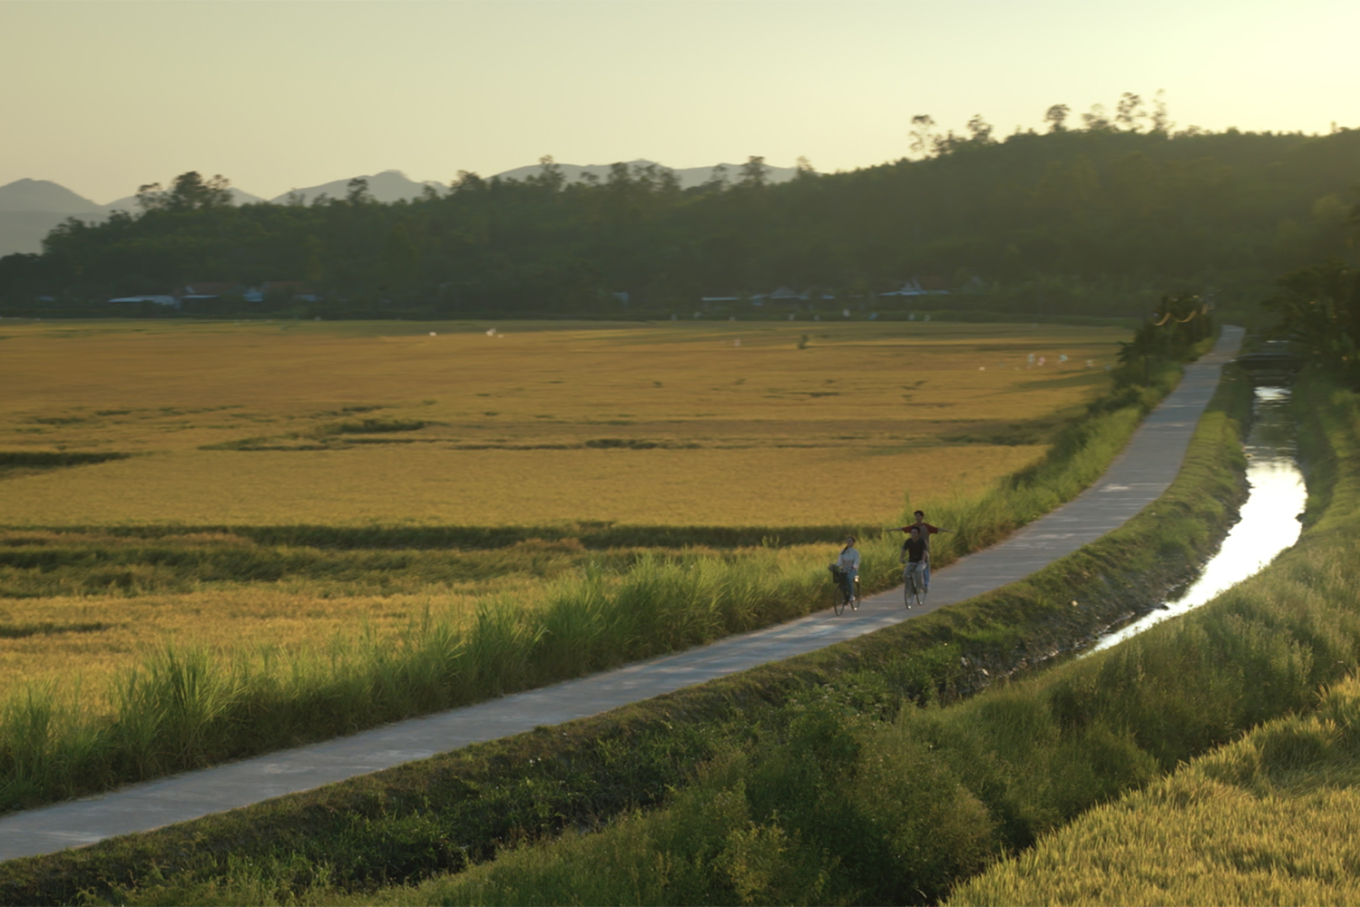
(1269, 519)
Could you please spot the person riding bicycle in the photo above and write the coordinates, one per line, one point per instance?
(927, 531)
(915, 558)
(846, 567)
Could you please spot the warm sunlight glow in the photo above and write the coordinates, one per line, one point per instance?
(102, 97)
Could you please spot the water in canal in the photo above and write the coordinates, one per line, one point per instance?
(1269, 518)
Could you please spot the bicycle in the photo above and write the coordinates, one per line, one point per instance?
(845, 595)
(914, 583)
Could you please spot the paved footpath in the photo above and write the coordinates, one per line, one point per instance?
(1140, 474)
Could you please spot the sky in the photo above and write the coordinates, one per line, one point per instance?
(105, 95)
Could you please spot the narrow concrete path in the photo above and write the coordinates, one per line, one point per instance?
(1135, 479)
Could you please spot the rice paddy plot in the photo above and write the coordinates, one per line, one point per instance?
(349, 424)
(774, 487)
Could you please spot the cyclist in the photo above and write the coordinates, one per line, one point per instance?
(927, 531)
(915, 559)
(847, 567)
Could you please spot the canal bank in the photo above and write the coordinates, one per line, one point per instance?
(1065, 608)
(1270, 519)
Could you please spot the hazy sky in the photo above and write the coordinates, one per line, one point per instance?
(104, 95)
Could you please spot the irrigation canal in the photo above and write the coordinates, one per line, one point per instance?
(1269, 520)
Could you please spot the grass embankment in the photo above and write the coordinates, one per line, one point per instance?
(185, 708)
(1273, 818)
(807, 726)
(1270, 818)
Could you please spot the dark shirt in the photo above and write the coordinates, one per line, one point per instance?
(915, 549)
(927, 530)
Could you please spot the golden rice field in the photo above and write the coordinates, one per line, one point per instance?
(97, 637)
(363, 424)
(403, 423)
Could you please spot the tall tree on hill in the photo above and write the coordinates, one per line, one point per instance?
(979, 130)
(1056, 117)
(717, 180)
(550, 174)
(357, 192)
(1160, 121)
(188, 192)
(1129, 113)
(753, 172)
(1096, 119)
(923, 137)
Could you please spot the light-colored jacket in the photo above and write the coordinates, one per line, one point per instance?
(849, 560)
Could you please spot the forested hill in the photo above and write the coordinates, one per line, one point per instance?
(1094, 221)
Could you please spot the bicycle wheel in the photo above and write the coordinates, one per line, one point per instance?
(911, 589)
(840, 602)
(855, 599)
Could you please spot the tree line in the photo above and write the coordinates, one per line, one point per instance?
(1099, 219)
(1318, 309)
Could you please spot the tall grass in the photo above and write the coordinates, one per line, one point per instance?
(188, 708)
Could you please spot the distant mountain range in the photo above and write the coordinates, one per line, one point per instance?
(29, 208)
